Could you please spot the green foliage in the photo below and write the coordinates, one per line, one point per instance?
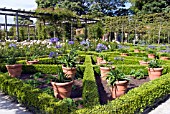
(116, 75)
(155, 63)
(139, 74)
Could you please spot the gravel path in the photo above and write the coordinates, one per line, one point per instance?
(7, 106)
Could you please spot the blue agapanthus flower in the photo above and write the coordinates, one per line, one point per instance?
(54, 40)
(58, 46)
(53, 54)
(12, 45)
(101, 47)
(85, 43)
(71, 42)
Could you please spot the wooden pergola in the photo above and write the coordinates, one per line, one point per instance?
(32, 14)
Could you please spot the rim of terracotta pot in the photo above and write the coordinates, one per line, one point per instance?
(121, 82)
(62, 84)
(107, 67)
(14, 65)
(143, 62)
(155, 69)
(68, 68)
(33, 61)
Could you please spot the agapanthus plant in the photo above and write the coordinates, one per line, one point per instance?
(101, 47)
(54, 40)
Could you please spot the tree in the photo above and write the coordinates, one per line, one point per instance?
(81, 7)
(150, 6)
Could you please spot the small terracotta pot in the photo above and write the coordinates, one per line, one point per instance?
(164, 58)
(32, 62)
(104, 71)
(154, 73)
(14, 70)
(152, 56)
(143, 63)
(62, 90)
(71, 72)
(124, 54)
(136, 50)
(119, 88)
(99, 60)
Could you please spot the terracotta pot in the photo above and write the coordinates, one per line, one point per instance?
(143, 63)
(136, 50)
(124, 54)
(71, 72)
(154, 73)
(14, 70)
(119, 88)
(62, 90)
(152, 56)
(164, 58)
(99, 60)
(32, 62)
(104, 71)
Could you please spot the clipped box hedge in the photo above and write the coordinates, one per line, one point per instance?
(33, 98)
(136, 100)
(90, 89)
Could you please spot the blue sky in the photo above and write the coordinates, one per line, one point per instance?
(16, 4)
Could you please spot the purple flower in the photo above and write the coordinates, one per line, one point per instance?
(53, 54)
(12, 45)
(54, 40)
(58, 46)
(101, 47)
(71, 42)
(85, 43)
(151, 47)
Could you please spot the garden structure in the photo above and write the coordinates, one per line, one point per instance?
(35, 85)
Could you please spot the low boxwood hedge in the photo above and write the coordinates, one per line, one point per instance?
(136, 100)
(33, 98)
(90, 89)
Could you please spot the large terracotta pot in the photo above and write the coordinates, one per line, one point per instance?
(124, 54)
(71, 72)
(152, 56)
(119, 88)
(154, 73)
(143, 63)
(104, 71)
(136, 50)
(32, 62)
(99, 60)
(164, 58)
(62, 90)
(14, 70)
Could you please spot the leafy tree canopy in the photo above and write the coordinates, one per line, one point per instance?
(82, 7)
(150, 6)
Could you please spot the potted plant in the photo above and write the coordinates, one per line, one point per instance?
(69, 63)
(118, 81)
(155, 69)
(32, 60)
(124, 52)
(144, 61)
(99, 49)
(164, 56)
(14, 69)
(151, 54)
(137, 49)
(105, 67)
(62, 85)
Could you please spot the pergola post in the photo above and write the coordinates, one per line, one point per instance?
(28, 32)
(86, 29)
(5, 28)
(35, 32)
(71, 31)
(17, 27)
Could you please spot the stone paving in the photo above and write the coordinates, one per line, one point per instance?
(7, 106)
